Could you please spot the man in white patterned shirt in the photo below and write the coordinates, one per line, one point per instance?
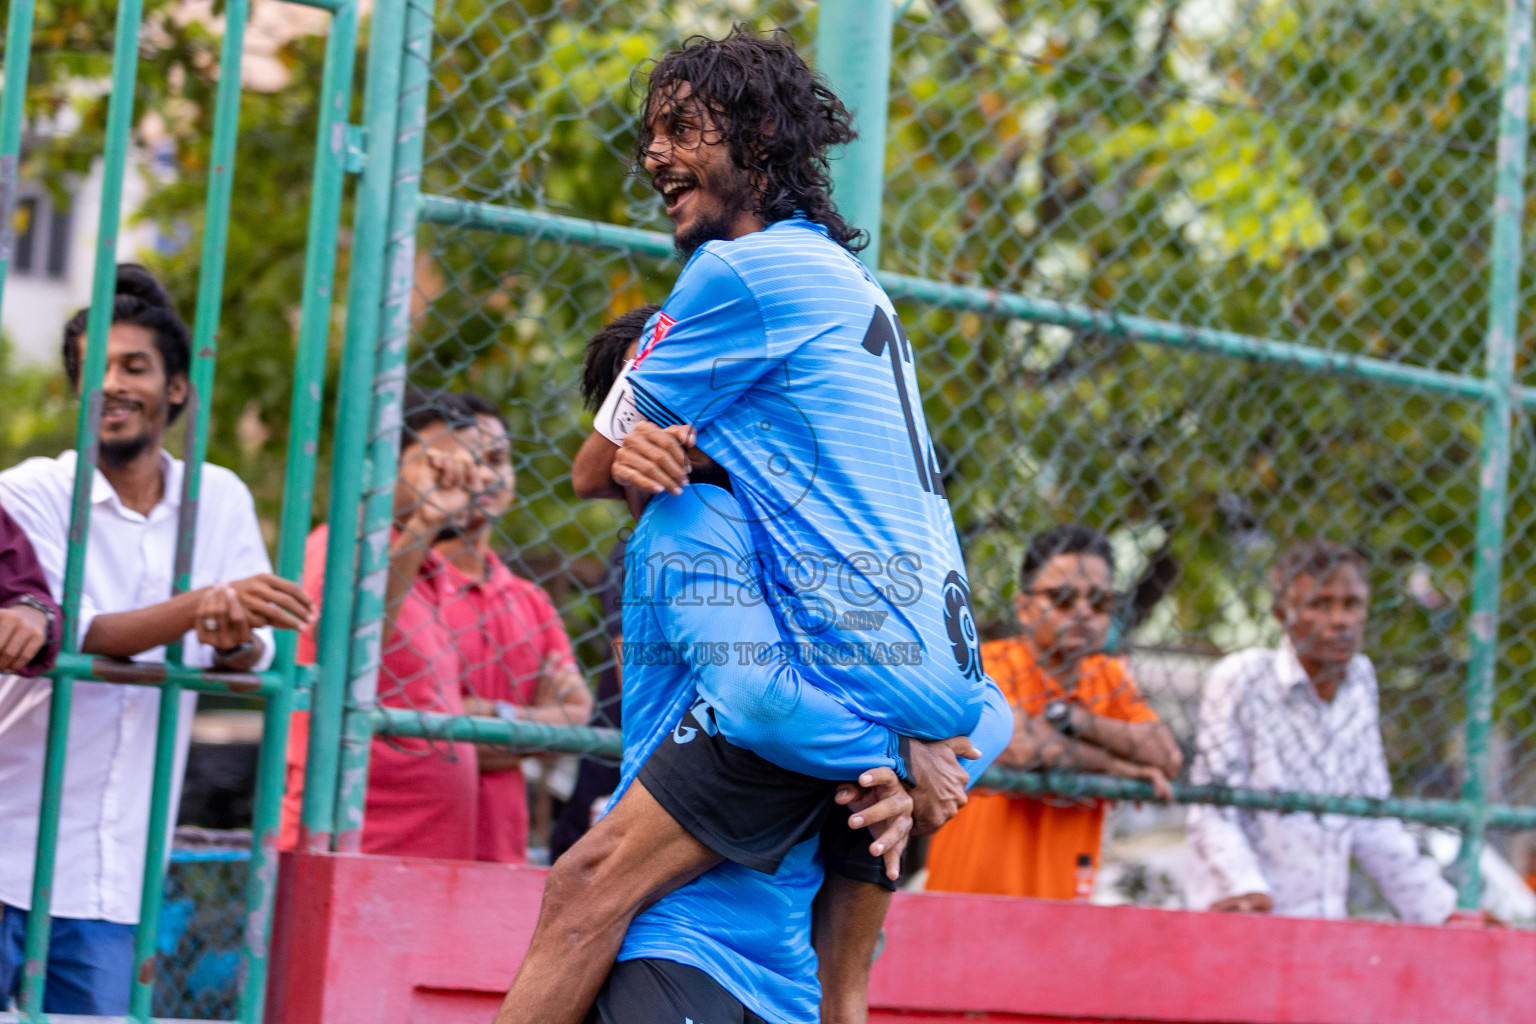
(1304, 717)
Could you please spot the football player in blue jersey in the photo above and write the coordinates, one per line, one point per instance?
(724, 721)
(783, 356)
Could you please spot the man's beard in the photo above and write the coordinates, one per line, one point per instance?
(118, 454)
(734, 195)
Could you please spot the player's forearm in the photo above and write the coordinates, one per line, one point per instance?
(592, 470)
(125, 634)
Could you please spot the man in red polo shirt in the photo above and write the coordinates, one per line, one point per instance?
(465, 637)
(422, 794)
(517, 660)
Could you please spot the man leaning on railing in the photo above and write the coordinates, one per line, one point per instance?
(1075, 709)
(127, 610)
(1304, 718)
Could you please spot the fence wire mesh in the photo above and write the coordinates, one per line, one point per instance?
(1319, 174)
(197, 962)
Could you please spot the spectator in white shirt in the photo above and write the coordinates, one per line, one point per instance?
(126, 611)
(1305, 718)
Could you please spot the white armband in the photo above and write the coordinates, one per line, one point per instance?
(618, 414)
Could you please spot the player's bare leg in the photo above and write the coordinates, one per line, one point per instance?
(847, 931)
(630, 859)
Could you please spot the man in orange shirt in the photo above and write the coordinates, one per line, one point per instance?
(1076, 709)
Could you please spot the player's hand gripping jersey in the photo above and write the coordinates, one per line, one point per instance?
(787, 357)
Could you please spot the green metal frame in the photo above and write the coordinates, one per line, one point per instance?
(854, 48)
(349, 456)
(281, 686)
(407, 138)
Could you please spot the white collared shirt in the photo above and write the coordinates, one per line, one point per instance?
(1263, 726)
(108, 771)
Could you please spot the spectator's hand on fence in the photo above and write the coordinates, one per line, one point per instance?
(880, 803)
(653, 458)
(939, 781)
(273, 601)
(1247, 903)
(1161, 787)
(23, 632)
(222, 622)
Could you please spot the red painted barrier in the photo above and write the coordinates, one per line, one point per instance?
(379, 940)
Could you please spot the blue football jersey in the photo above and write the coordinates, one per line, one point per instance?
(695, 626)
(784, 353)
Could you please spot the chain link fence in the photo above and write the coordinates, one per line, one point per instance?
(197, 947)
(1299, 198)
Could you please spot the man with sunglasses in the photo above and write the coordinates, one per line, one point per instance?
(1076, 709)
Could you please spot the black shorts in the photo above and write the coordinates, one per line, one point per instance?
(749, 810)
(664, 992)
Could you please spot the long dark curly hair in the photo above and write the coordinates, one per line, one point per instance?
(778, 118)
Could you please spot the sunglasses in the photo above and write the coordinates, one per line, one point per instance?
(1100, 599)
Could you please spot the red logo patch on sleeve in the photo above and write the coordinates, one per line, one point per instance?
(664, 324)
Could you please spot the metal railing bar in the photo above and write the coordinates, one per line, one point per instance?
(607, 743)
(853, 51)
(511, 220)
(317, 301)
(555, 227)
(119, 123)
(539, 736)
(384, 433)
(156, 853)
(7, 1017)
(92, 668)
(1494, 459)
(210, 295)
(370, 221)
(13, 101)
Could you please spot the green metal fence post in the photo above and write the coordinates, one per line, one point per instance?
(13, 100)
(853, 52)
(1503, 312)
(125, 57)
(210, 293)
(210, 283)
(384, 448)
(329, 179)
(370, 221)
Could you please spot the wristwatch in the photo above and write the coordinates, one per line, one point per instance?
(226, 654)
(37, 605)
(1058, 715)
